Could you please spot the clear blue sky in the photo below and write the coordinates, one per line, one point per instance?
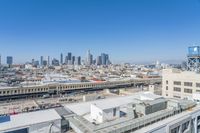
(129, 30)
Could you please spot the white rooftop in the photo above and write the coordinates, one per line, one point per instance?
(84, 107)
(26, 119)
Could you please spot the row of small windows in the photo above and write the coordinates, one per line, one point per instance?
(185, 83)
(82, 86)
(46, 89)
(23, 91)
(177, 83)
(189, 84)
(177, 89)
(79, 86)
(188, 90)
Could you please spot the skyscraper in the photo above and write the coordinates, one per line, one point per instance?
(79, 60)
(73, 60)
(9, 60)
(48, 61)
(89, 58)
(69, 56)
(103, 58)
(98, 60)
(33, 61)
(66, 60)
(41, 60)
(61, 59)
(55, 62)
(107, 59)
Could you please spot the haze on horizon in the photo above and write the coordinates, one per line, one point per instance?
(128, 30)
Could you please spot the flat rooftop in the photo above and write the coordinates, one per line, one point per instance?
(27, 119)
(84, 107)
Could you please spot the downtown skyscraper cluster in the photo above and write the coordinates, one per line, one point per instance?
(70, 59)
(64, 60)
(103, 59)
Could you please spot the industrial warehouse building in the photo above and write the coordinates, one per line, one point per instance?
(141, 113)
(47, 121)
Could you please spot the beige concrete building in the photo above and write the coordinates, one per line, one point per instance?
(180, 84)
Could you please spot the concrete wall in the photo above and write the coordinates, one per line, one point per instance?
(104, 115)
(96, 113)
(54, 127)
(108, 114)
(171, 75)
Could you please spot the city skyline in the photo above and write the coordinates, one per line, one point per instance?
(131, 31)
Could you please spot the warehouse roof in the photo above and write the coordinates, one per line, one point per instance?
(84, 108)
(26, 119)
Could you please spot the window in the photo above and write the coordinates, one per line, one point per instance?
(188, 84)
(198, 85)
(177, 83)
(167, 95)
(188, 91)
(175, 130)
(177, 89)
(167, 82)
(166, 87)
(185, 126)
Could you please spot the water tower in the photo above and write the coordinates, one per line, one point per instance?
(193, 63)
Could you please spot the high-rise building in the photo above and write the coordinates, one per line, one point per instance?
(32, 61)
(48, 61)
(45, 63)
(89, 58)
(79, 60)
(107, 59)
(55, 62)
(66, 60)
(69, 56)
(76, 61)
(61, 59)
(41, 60)
(103, 58)
(36, 63)
(9, 60)
(73, 60)
(98, 60)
